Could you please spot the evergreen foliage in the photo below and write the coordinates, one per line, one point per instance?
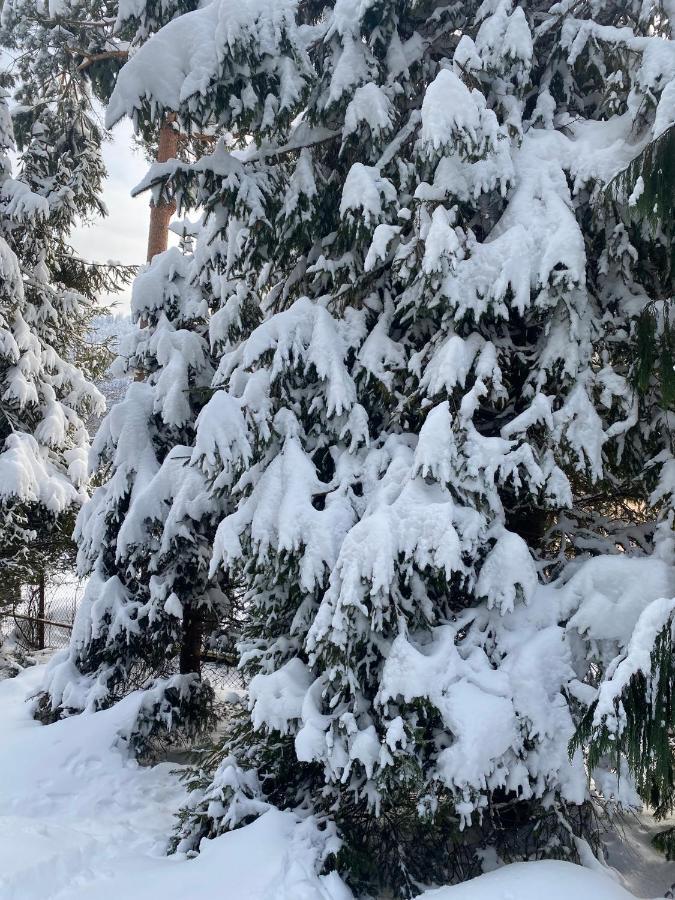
(407, 338)
(44, 393)
(646, 189)
(644, 740)
(142, 538)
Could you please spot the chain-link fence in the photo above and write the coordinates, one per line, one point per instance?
(42, 619)
(222, 673)
(42, 616)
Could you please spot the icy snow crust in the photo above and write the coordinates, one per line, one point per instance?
(79, 819)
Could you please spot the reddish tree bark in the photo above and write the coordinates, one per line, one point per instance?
(161, 213)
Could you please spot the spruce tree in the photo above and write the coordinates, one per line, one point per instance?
(415, 192)
(59, 185)
(138, 541)
(44, 394)
(67, 60)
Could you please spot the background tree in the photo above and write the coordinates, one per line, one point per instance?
(44, 388)
(145, 538)
(66, 60)
(58, 140)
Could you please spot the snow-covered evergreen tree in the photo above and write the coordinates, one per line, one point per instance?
(59, 184)
(149, 588)
(44, 394)
(68, 56)
(416, 192)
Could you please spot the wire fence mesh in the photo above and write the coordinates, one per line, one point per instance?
(221, 674)
(42, 619)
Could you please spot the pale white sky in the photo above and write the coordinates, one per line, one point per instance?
(123, 235)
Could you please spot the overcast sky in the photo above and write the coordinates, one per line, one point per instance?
(123, 235)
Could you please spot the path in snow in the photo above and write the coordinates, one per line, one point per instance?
(644, 871)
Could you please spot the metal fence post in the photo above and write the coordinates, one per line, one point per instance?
(40, 629)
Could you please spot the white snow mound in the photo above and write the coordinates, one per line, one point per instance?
(545, 880)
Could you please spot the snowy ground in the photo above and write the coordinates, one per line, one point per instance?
(80, 820)
(644, 871)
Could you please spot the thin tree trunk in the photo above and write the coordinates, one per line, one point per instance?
(191, 647)
(160, 214)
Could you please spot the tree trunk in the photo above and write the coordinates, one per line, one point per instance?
(191, 647)
(160, 214)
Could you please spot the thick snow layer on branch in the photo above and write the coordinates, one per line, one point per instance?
(282, 516)
(27, 475)
(189, 54)
(365, 189)
(277, 698)
(606, 596)
(451, 114)
(481, 704)
(21, 204)
(369, 105)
